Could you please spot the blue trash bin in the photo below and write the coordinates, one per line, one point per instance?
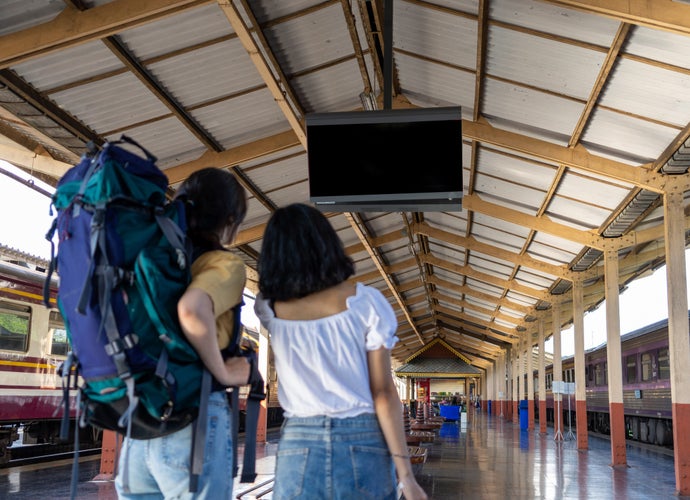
(524, 414)
(488, 407)
(450, 412)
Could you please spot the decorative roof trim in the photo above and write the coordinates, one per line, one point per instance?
(436, 375)
(445, 344)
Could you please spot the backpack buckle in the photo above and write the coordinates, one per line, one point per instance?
(167, 412)
(119, 345)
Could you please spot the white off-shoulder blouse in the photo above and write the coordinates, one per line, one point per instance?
(322, 363)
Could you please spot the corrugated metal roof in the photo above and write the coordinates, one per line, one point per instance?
(565, 113)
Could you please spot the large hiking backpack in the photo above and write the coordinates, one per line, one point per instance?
(124, 262)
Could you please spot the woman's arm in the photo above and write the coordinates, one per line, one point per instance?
(198, 322)
(389, 413)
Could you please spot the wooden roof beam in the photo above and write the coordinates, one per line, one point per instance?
(73, 27)
(656, 14)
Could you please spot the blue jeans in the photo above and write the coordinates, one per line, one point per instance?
(323, 458)
(159, 468)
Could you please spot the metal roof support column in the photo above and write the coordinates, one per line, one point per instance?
(557, 372)
(530, 382)
(613, 359)
(580, 393)
(679, 349)
(542, 378)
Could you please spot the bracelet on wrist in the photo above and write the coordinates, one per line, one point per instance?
(400, 455)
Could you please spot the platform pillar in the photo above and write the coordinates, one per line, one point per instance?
(557, 370)
(581, 424)
(679, 347)
(613, 358)
(580, 392)
(516, 388)
(530, 382)
(542, 376)
(530, 414)
(263, 369)
(542, 416)
(111, 442)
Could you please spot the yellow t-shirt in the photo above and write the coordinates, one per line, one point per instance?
(222, 276)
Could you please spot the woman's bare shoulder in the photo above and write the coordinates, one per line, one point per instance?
(318, 305)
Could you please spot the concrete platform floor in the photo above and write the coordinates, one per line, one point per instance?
(486, 458)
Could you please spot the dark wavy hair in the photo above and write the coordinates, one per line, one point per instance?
(301, 254)
(213, 199)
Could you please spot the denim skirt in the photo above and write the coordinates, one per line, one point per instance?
(325, 458)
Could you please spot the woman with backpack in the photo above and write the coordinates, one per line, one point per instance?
(160, 467)
(343, 436)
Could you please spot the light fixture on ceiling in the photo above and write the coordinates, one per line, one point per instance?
(680, 160)
(678, 163)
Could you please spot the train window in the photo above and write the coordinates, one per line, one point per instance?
(646, 361)
(600, 374)
(59, 344)
(631, 369)
(589, 375)
(14, 326)
(664, 364)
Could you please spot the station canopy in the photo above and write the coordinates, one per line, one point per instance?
(575, 124)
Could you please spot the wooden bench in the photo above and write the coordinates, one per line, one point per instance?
(418, 455)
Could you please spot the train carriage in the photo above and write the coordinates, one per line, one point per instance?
(33, 344)
(646, 387)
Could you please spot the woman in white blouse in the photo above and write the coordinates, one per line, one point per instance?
(343, 436)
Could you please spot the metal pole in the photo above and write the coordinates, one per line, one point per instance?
(570, 434)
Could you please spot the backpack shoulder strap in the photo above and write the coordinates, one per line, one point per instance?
(256, 394)
(199, 433)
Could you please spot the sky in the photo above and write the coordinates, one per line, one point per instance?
(26, 219)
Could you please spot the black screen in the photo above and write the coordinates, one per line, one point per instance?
(385, 156)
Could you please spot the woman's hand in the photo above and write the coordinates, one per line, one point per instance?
(411, 490)
(237, 370)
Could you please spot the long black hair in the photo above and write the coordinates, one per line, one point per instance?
(214, 198)
(301, 254)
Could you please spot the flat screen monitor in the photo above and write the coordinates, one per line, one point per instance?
(386, 160)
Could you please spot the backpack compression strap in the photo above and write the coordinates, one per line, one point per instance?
(256, 395)
(199, 433)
